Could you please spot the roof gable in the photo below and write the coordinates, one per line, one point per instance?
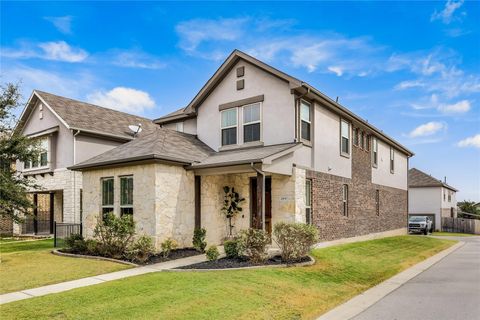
(419, 179)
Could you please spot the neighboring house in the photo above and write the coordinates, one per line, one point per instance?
(431, 197)
(69, 132)
(294, 155)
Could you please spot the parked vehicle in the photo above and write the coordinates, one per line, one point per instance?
(422, 224)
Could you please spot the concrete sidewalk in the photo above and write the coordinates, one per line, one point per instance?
(363, 301)
(84, 282)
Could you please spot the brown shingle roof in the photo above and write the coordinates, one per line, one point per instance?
(418, 179)
(93, 118)
(161, 144)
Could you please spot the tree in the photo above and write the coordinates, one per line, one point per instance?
(14, 200)
(469, 207)
(231, 206)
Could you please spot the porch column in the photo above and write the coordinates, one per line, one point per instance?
(35, 213)
(260, 201)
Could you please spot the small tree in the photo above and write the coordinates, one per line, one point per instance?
(114, 234)
(231, 206)
(14, 200)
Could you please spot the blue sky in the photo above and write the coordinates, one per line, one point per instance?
(411, 68)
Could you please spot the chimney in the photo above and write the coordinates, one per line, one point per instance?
(445, 179)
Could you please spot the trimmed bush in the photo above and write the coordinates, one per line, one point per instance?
(294, 239)
(114, 234)
(75, 243)
(253, 243)
(232, 248)
(141, 250)
(212, 253)
(167, 246)
(198, 241)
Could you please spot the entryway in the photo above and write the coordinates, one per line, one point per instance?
(256, 203)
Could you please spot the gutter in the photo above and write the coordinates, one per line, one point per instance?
(258, 171)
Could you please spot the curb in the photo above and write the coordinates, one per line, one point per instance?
(365, 300)
(64, 254)
(300, 264)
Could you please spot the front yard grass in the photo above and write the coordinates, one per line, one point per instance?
(30, 264)
(453, 234)
(340, 273)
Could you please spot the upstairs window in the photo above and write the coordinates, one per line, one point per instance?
(392, 160)
(107, 196)
(305, 120)
(229, 127)
(42, 160)
(345, 200)
(308, 201)
(344, 138)
(355, 137)
(251, 122)
(362, 140)
(126, 195)
(374, 152)
(449, 197)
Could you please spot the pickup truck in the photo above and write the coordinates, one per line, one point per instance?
(422, 224)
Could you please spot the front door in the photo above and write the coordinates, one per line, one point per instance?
(255, 217)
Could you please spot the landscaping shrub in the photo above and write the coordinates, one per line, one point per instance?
(76, 244)
(199, 242)
(253, 243)
(141, 250)
(294, 239)
(114, 235)
(232, 249)
(91, 247)
(167, 246)
(212, 253)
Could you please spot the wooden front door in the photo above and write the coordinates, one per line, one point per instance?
(255, 203)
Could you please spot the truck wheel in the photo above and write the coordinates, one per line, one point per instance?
(425, 231)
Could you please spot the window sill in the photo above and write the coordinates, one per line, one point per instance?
(345, 155)
(41, 170)
(241, 146)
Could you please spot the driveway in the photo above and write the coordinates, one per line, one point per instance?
(448, 290)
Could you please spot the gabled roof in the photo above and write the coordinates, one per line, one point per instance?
(295, 84)
(83, 116)
(419, 179)
(161, 144)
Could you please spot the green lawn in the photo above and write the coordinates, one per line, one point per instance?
(453, 234)
(31, 264)
(340, 273)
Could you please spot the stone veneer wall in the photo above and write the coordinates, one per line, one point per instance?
(6, 226)
(362, 218)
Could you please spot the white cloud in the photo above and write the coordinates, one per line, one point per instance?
(427, 129)
(58, 51)
(194, 32)
(61, 51)
(63, 24)
(123, 99)
(473, 141)
(136, 59)
(459, 107)
(337, 70)
(447, 15)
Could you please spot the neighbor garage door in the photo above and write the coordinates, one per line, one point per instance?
(432, 217)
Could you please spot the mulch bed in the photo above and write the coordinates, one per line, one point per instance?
(240, 262)
(174, 255)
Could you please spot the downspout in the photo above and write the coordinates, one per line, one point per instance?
(258, 171)
(75, 176)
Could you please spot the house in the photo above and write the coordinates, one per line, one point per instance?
(69, 132)
(428, 196)
(293, 153)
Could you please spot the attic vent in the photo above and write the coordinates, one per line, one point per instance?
(40, 109)
(240, 84)
(240, 72)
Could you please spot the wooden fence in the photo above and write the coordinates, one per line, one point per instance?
(461, 225)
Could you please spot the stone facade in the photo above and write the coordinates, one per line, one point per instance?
(362, 218)
(6, 226)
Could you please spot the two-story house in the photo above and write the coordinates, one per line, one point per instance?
(428, 196)
(69, 132)
(292, 153)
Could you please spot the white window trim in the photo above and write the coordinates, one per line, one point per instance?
(345, 192)
(374, 151)
(229, 127)
(309, 142)
(252, 122)
(39, 167)
(345, 154)
(392, 158)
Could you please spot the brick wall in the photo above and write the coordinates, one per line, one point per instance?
(362, 214)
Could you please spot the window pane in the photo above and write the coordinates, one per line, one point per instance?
(126, 211)
(305, 111)
(345, 127)
(345, 146)
(107, 192)
(251, 132)
(251, 113)
(305, 130)
(229, 118)
(34, 163)
(126, 191)
(26, 165)
(308, 193)
(43, 159)
(229, 136)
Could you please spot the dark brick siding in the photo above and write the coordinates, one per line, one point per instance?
(362, 214)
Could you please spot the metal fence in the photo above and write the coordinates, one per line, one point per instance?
(62, 231)
(34, 225)
(460, 225)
